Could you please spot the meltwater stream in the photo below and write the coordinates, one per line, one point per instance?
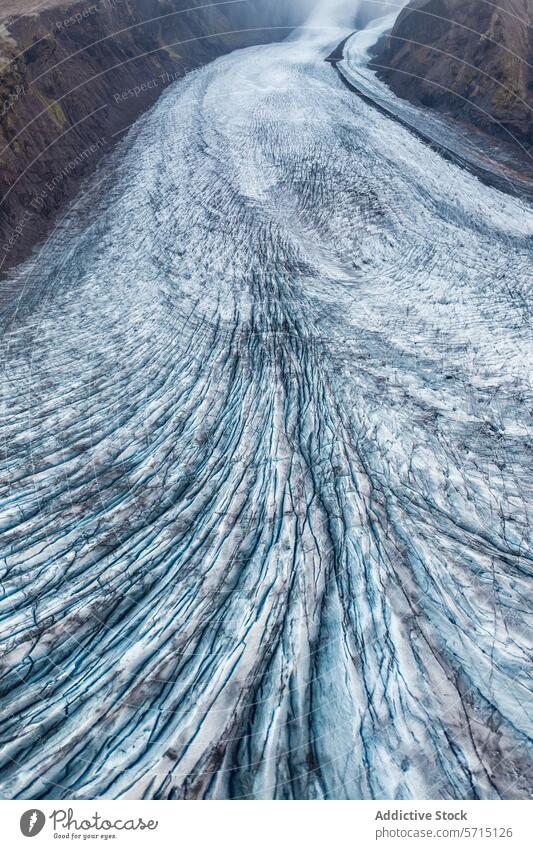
(265, 462)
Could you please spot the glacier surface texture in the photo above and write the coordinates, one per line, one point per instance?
(265, 462)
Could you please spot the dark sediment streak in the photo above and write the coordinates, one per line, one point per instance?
(492, 174)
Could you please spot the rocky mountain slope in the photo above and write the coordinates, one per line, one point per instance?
(75, 75)
(470, 58)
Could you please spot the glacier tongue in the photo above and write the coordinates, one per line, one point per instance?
(265, 468)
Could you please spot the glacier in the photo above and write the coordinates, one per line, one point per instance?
(266, 461)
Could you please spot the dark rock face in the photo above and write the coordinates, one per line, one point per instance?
(468, 58)
(76, 75)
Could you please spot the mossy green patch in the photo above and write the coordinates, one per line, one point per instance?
(54, 110)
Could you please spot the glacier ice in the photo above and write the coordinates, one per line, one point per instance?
(266, 462)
